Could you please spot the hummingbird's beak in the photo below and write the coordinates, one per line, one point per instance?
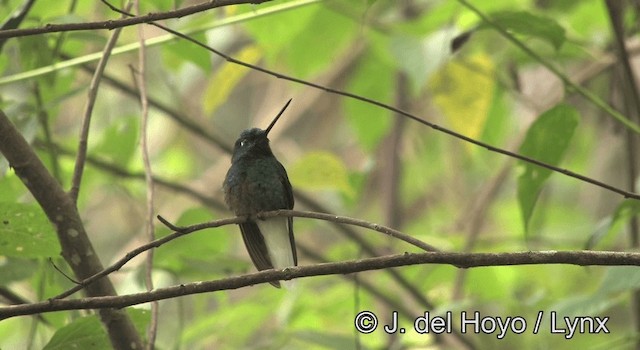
(266, 132)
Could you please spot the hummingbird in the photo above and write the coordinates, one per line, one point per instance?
(257, 182)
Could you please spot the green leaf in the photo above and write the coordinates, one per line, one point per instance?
(178, 52)
(119, 140)
(88, 333)
(274, 33)
(464, 91)
(619, 279)
(25, 232)
(419, 57)
(330, 32)
(321, 171)
(528, 24)
(372, 78)
(623, 213)
(14, 269)
(547, 140)
(199, 253)
(227, 77)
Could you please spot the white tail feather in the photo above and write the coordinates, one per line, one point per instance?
(276, 237)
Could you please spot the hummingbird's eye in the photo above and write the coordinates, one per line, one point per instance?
(243, 143)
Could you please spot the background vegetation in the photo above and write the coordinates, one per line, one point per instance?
(554, 101)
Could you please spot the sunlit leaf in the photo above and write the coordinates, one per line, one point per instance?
(25, 232)
(547, 140)
(227, 78)
(321, 171)
(464, 90)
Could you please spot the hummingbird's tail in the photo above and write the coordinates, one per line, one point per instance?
(278, 238)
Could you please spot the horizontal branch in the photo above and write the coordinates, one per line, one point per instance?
(465, 260)
(181, 231)
(125, 22)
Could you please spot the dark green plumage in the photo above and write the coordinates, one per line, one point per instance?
(257, 182)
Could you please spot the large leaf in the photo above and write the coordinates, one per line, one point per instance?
(321, 171)
(25, 232)
(529, 24)
(119, 140)
(227, 77)
(547, 140)
(88, 333)
(464, 90)
(372, 78)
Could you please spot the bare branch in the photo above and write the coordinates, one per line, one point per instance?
(180, 231)
(92, 94)
(125, 22)
(466, 260)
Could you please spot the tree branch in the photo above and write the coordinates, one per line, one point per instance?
(181, 231)
(465, 260)
(63, 214)
(92, 94)
(125, 22)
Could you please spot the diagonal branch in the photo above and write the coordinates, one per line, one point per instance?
(626, 194)
(465, 260)
(181, 231)
(61, 210)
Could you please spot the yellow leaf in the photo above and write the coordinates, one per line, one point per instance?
(321, 171)
(227, 77)
(463, 91)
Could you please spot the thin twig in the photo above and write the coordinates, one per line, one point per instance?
(631, 101)
(180, 231)
(353, 222)
(624, 193)
(152, 329)
(86, 119)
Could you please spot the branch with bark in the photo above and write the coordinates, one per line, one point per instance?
(62, 212)
(463, 260)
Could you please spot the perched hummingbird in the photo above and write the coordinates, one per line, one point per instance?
(257, 182)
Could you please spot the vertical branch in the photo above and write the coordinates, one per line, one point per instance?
(86, 119)
(148, 175)
(631, 101)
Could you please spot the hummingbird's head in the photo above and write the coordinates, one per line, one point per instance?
(251, 143)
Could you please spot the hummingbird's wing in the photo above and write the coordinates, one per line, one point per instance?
(284, 179)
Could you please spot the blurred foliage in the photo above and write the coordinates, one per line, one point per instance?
(340, 153)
